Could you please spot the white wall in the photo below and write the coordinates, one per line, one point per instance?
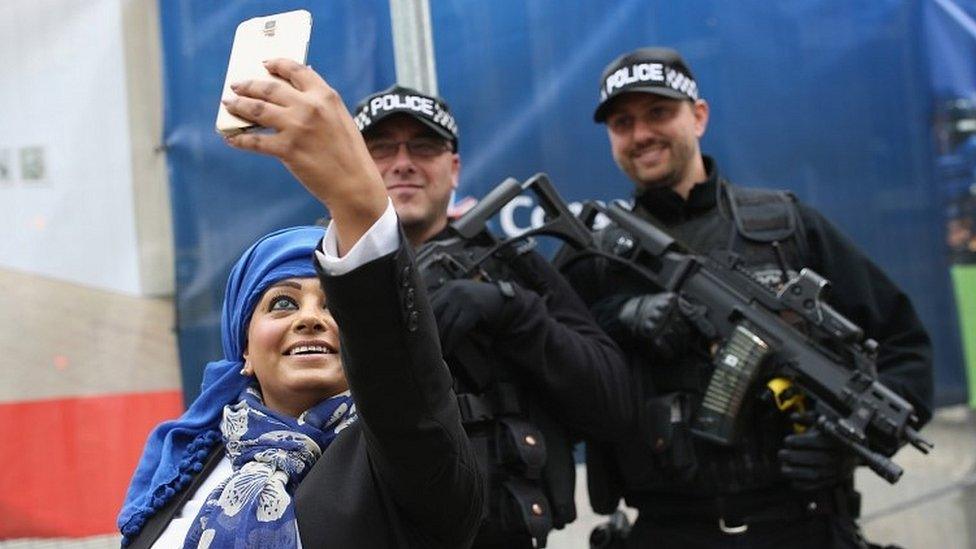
(63, 88)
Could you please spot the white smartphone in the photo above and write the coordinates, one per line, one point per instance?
(257, 40)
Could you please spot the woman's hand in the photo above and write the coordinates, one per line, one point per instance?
(316, 140)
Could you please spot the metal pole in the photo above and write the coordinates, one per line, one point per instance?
(413, 45)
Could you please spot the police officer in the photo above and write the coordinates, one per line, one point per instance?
(776, 487)
(532, 369)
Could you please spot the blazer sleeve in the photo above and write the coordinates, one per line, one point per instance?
(402, 388)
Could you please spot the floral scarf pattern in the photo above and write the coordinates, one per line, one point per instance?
(271, 453)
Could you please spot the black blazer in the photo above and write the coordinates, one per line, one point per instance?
(404, 474)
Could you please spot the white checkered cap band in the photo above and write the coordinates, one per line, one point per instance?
(646, 76)
(426, 109)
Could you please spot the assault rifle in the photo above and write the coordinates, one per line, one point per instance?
(830, 360)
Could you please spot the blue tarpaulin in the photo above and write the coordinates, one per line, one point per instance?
(834, 100)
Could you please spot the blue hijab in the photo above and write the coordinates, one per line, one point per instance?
(177, 449)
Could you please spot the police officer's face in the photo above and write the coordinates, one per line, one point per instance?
(654, 139)
(419, 177)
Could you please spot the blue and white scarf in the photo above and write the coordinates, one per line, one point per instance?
(271, 453)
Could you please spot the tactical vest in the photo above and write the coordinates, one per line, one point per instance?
(667, 458)
(526, 454)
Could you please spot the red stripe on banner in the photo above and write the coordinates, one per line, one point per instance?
(65, 464)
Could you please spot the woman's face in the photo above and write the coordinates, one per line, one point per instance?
(293, 347)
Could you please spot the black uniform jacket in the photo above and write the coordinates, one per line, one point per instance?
(575, 370)
(404, 474)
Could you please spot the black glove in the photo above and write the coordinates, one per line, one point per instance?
(812, 460)
(463, 305)
(659, 320)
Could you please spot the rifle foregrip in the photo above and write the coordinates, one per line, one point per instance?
(884, 467)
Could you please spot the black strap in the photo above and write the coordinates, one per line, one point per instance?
(157, 523)
(474, 408)
(743, 509)
(816, 503)
(502, 399)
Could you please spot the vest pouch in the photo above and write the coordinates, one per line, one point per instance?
(527, 510)
(521, 446)
(666, 428)
(558, 477)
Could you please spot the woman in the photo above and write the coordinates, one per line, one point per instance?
(292, 443)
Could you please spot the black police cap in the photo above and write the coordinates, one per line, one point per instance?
(660, 71)
(429, 110)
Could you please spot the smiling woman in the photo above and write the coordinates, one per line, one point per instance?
(292, 347)
(293, 441)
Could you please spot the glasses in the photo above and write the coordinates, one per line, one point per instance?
(420, 147)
